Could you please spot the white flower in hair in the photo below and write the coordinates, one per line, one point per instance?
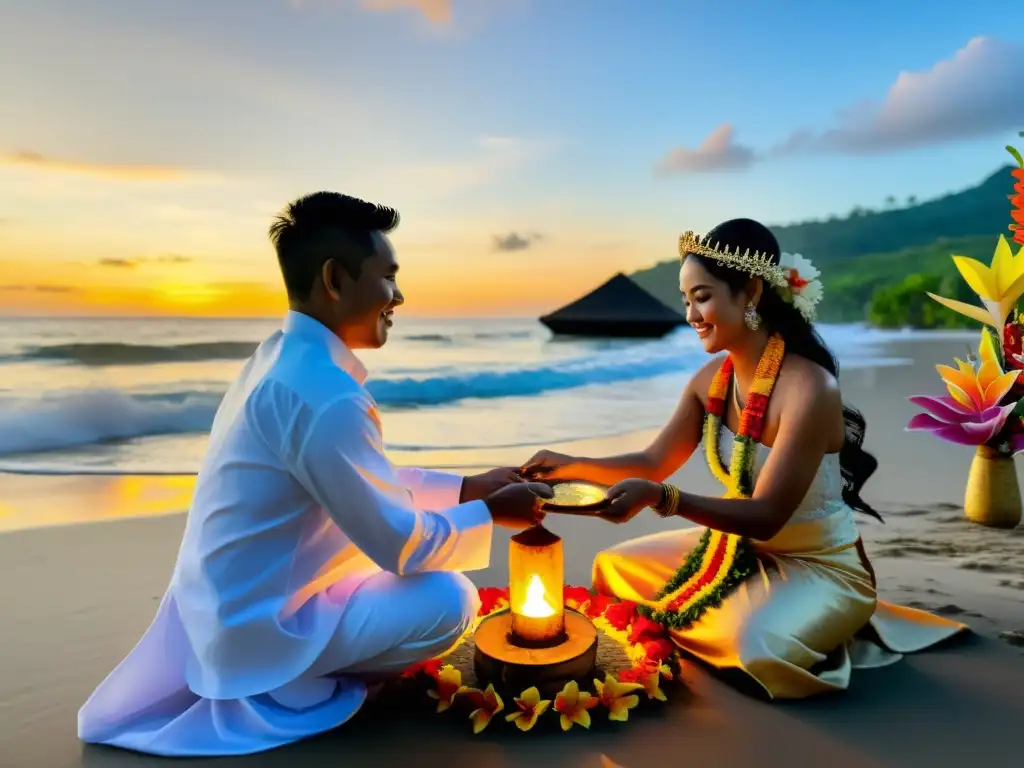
(805, 289)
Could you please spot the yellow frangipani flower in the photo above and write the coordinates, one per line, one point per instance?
(617, 697)
(530, 707)
(486, 704)
(448, 683)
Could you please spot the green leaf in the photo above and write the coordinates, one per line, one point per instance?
(1016, 154)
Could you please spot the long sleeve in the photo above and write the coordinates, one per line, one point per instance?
(430, 489)
(341, 462)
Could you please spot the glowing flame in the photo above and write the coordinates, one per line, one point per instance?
(536, 604)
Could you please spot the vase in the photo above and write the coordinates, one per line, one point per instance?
(993, 494)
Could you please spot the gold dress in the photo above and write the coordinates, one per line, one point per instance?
(806, 618)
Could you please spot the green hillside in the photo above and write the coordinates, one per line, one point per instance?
(853, 287)
(872, 250)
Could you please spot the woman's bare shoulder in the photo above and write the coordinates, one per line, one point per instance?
(806, 385)
(701, 381)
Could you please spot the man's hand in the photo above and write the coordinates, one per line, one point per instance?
(518, 505)
(481, 486)
(627, 498)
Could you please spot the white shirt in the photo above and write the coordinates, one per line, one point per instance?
(295, 505)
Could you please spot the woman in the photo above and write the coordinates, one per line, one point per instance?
(775, 581)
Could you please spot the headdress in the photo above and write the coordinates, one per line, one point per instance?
(794, 278)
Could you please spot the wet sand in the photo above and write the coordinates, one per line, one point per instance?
(77, 597)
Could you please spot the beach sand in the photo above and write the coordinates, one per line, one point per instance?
(77, 597)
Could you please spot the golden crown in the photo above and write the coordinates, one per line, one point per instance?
(755, 263)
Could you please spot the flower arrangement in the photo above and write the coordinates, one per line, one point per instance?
(980, 409)
(985, 404)
(652, 655)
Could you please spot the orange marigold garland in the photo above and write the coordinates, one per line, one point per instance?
(721, 561)
(653, 657)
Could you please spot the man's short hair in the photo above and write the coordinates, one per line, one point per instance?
(322, 226)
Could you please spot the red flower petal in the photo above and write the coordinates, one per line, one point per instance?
(620, 615)
(659, 649)
(597, 605)
(644, 629)
(578, 595)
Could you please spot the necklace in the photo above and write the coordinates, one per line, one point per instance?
(736, 397)
(721, 561)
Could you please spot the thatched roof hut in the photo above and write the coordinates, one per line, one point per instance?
(619, 308)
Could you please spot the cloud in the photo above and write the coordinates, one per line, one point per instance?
(170, 258)
(118, 263)
(513, 241)
(39, 288)
(438, 12)
(976, 93)
(718, 152)
(127, 172)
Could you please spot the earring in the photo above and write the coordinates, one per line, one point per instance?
(751, 318)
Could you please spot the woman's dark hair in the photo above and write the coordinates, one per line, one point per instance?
(779, 316)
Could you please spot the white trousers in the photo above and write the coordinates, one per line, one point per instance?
(392, 622)
(387, 624)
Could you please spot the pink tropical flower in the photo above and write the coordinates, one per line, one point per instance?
(974, 412)
(949, 420)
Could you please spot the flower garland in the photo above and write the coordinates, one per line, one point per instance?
(652, 654)
(722, 561)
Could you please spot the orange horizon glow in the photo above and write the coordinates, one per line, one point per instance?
(436, 283)
(462, 296)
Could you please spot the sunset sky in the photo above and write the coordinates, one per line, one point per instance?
(533, 147)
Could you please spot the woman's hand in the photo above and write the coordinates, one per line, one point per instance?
(548, 465)
(627, 498)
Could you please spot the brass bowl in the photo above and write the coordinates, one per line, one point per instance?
(592, 498)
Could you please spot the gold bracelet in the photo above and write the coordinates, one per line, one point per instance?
(669, 504)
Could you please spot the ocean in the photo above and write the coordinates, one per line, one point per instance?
(137, 396)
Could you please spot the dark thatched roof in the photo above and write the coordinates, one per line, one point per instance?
(620, 307)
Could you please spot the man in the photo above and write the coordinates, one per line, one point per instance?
(310, 566)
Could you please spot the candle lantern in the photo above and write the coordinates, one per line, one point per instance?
(537, 641)
(536, 571)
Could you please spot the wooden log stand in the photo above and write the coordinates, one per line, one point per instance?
(511, 667)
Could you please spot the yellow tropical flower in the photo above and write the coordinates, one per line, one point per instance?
(449, 681)
(530, 708)
(574, 705)
(652, 685)
(981, 388)
(999, 285)
(617, 697)
(486, 704)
